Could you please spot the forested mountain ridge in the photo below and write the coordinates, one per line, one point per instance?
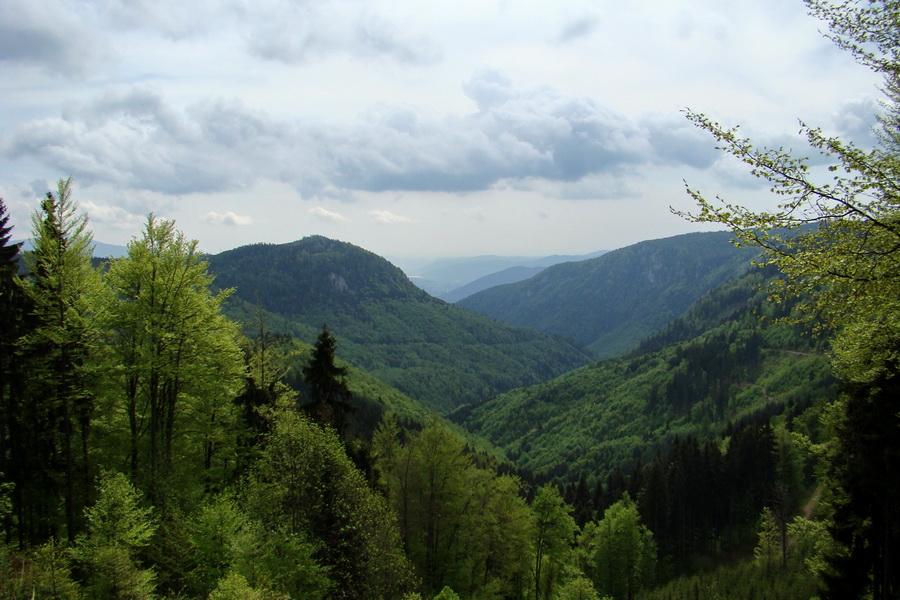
(434, 352)
(724, 361)
(610, 303)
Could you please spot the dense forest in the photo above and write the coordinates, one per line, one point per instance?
(610, 303)
(428, 349)
(299, 421)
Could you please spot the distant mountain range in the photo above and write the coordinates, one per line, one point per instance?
(610, 303)
(452, 279)
(101, 250)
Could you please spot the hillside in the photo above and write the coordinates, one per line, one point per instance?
(509, 275)
(443, 277)
(717, 365)
(610, 303)
(432, 351)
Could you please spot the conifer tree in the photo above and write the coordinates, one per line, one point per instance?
(62, 350)
(14, 322)
(327, 383)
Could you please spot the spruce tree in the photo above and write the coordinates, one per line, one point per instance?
(328, 388)
(61, 351)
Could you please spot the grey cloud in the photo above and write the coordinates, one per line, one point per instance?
(49, 35)
(578, 28)
(131, 137)
(297, 32)
(855, 120)
(675, 141)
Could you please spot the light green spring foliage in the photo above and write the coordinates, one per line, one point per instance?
(306, 490)
(45, 572)
(178, 356)
(618, 551)
(845, 267)
(119, 525)
(234, 586)
(552, 536)
(578, 588)
(464, 527)
(447, 594)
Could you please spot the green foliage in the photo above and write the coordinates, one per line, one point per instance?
(552, 537)
(447, 594)
(619, 550)
(331, 397)
(577, 588)
(844, 272)
(305, 485)
(463, 526)
(62, 351)
(718, 363)
(177, 354)
(609, 303)
(118, 526)
(234, 586)
(433, 352)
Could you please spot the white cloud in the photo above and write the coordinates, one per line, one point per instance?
(387, 217)
(326, 215)
(226, 218)
(115, 216)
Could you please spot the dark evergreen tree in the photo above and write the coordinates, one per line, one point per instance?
(14, 310)
(64, 288)
(329, 394)
(866, 472)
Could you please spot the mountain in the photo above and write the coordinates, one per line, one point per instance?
(510, 275)
(101, 249)
(610, 303)
(443, 276)
(432, 351)
(719, 364)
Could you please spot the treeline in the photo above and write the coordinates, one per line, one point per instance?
(149, 450)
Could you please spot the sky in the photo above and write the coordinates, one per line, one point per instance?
(412, 129)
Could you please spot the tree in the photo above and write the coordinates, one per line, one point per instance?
(179, 356)
(305, 488)
(620, 551)
(836, 241)
(118, 527)
(552, 537)
(327, 386)
(15, 455)
(62, 349)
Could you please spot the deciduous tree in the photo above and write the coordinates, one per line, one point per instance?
(835, 236)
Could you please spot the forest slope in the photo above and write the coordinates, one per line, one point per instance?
(434, 352)
(610, 303)
(718, 364)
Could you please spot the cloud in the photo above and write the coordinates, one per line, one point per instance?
(297, 32)
(116, 216)
(50, 35)
(387, 217)
(226, 218)
(326, 215)
(132, 137)
(855, 120)
(578, 28)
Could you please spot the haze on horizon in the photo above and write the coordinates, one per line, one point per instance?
(409, 129)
